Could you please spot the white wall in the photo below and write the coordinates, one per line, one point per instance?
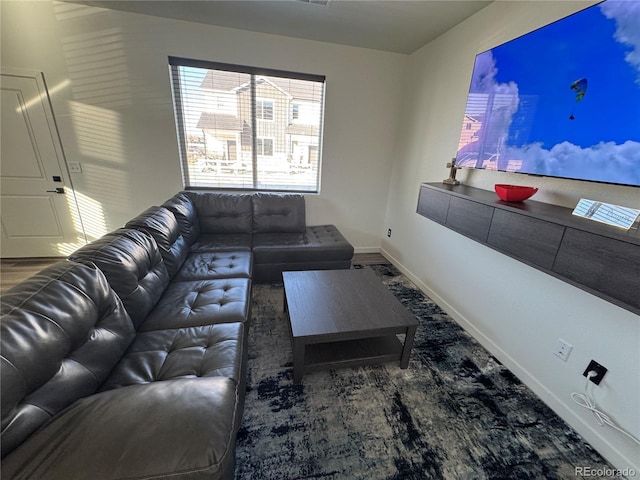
(515, 311)
(108, 74)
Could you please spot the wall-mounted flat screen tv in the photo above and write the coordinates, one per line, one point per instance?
(561, 101)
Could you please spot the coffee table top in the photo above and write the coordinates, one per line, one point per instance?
(348, 303)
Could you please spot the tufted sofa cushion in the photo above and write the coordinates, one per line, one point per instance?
(206, 351)
(222, 242)
(278, 213)
(186, 215)
(214, 265)
(320, 247)
(134, 267)
(223, 213)
(202, 302)
(317, 243)
(61, 332)
(162, 225)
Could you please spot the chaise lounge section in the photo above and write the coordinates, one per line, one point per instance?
(272, 226)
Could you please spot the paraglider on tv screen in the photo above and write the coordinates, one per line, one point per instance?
(561, 101)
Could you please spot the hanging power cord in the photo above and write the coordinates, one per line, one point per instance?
(585, 400)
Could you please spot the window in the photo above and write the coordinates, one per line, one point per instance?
(264, 109)
(265, 147)
(235, 127)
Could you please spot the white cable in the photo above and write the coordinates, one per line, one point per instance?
(584, 400)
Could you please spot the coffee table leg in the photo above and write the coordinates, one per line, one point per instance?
(408, 345)
(298, 360)
(285, 307)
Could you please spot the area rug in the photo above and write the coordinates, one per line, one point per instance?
(455, 413)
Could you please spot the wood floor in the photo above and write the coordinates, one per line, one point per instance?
(15, 270)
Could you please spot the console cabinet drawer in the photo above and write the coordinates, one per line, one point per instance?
(532, 240)
(433, 204)
(604, 264)
(472, 219)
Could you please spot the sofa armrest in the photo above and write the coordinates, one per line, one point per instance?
(185, 212)
(178, 428)
(61, 333)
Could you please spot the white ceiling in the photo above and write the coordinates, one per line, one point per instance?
(401, 26)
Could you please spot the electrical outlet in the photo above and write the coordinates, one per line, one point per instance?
(595, 367)
(389, 232)
(563, 350)
(75, 167)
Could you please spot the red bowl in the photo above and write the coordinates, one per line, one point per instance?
(514, 193)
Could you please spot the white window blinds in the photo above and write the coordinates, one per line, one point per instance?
(247, 128)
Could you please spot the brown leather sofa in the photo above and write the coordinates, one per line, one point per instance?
(128, 360)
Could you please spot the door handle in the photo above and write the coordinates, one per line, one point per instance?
(57, 190)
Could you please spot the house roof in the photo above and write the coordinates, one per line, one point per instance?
(222, 80)
(219, 121)
(223, 121)
(230, 81)
(301, 129)
(298, 89)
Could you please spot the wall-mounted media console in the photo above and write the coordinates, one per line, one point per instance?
(597, 258)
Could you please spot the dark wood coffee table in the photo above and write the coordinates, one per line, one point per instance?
(344, 318)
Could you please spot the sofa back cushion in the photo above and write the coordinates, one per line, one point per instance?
(185, 212)
(61, 332)
(278, 213)
(131, 261)
(162, 225)
(223, 212)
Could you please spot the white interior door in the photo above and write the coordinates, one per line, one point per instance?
(38, 213)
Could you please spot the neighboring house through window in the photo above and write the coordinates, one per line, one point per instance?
(247, 128)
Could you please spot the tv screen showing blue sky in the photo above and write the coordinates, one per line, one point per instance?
(561, 101)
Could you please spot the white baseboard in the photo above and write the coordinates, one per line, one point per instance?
(560, 407)
(367, 250)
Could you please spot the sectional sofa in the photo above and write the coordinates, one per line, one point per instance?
(128, 359)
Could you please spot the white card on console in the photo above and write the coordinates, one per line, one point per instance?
(615, 215)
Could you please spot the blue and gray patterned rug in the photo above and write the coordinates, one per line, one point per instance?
(455, 413)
